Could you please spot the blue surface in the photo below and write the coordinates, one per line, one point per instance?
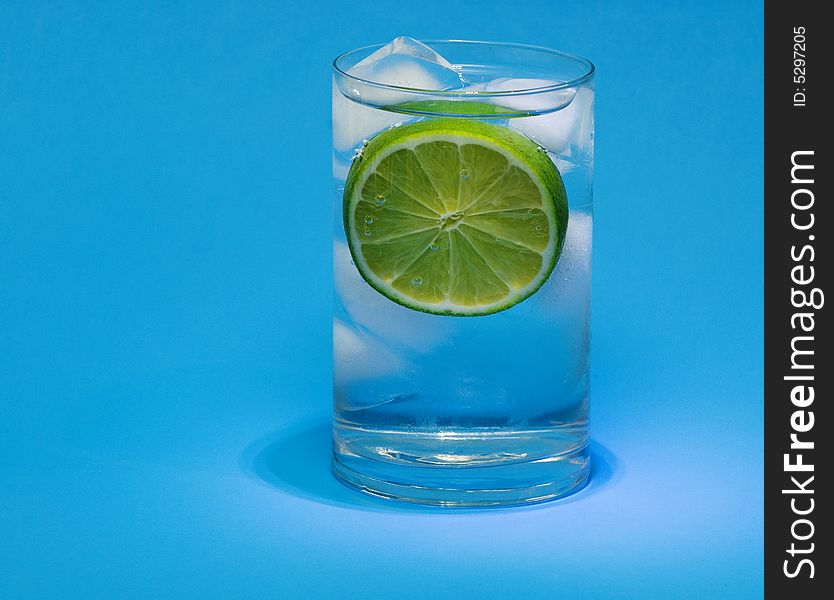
(165, 310)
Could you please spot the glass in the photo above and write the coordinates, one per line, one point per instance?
(482, 410)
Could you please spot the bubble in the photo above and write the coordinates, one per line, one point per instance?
(455, 216)
(369, 219)
(434, 246)
(380, 199)
(538, 227)
(417, 281)
(367, 232)
(464, 174)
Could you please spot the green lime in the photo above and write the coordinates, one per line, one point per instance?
(454, 216)
(460, 108)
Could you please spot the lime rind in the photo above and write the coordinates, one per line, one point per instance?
(425, 176)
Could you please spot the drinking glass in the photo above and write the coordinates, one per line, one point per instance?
(462, 271)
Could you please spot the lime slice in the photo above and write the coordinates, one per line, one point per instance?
(458, 108)
(454, 216)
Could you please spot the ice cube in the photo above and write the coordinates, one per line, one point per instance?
(569, 128)
(384, 318)
(341, 167)
(534, 102)
(583, 135)
(356, 356)
(405, 62)
(567, 292)
(354, 122)
(404, 45)
(576, 252)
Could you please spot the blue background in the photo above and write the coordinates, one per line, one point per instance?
(165, 309)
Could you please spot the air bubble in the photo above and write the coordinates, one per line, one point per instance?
(380, 199)
(538, 227)
(369, 219)
(434, 246)
(367, 232)
(416, 281)
(464, 174)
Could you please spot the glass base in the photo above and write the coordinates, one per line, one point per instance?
(517, 483)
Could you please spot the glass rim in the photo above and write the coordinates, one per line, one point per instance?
(590, 69)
